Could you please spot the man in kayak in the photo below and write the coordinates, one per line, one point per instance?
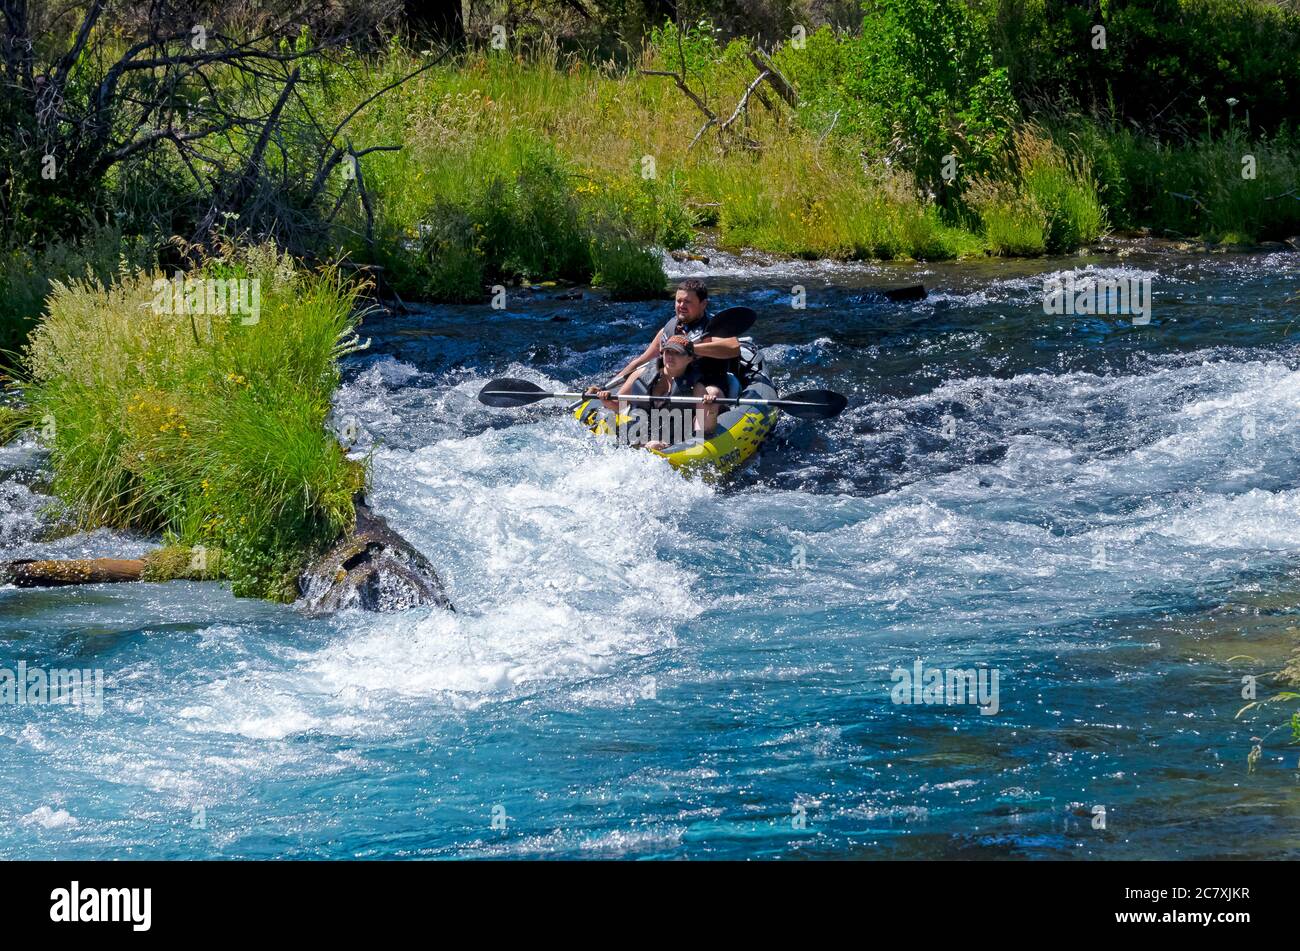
(691, 320)
(675, 372)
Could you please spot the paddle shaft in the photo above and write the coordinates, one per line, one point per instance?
(635, 398)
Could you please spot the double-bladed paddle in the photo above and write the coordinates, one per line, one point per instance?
(806, 404)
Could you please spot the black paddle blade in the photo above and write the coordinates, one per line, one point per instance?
(731, 322)
(813, 404)
(507, 392)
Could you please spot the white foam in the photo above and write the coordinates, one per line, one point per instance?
(48, 818)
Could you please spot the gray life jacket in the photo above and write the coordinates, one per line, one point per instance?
(673, 427)
(684, 385)
(708, 368)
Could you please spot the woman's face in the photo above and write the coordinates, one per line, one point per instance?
(675, 364)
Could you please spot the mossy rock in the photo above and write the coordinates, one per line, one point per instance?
(371, 568)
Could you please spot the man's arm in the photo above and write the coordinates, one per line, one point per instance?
(720, 348)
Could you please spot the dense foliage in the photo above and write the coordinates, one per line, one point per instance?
(163, 416)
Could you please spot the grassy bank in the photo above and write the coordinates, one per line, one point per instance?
(520, 168)
(206, 427)
(932, 129)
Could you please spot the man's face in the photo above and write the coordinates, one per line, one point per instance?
(688, 307)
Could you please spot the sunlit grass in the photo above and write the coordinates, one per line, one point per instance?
(208, 428)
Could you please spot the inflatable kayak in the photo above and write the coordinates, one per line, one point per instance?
(741, 429)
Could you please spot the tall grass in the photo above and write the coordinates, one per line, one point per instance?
(1202, 188)
(1043, 201)
(204, 427)
(515, 169)
(26, 275)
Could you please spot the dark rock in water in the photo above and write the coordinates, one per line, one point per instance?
(893, 294)
(372, 568)
(1294, 242)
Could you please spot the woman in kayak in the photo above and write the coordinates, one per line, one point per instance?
(675, 373)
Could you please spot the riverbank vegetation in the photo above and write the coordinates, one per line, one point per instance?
(207, 428)
(575, 149)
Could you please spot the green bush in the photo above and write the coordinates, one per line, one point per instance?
(531, 221)
(1160, 59)
(919, 83)
(452, 261)
(207, 427)
(694, 49)
(628, 270)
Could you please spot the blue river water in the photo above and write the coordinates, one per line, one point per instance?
(1107, 515)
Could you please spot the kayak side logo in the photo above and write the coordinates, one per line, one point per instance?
(949, 686)
(1092, 295)
(76, 904)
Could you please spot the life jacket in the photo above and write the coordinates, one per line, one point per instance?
(683, 385)
(674, 427)
(709, 368)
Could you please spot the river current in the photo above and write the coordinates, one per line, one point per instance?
(1106, 514)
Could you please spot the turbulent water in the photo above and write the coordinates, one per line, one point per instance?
(1106, 515)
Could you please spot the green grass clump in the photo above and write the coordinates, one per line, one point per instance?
(1043, 202)
(26, 275)
(12, 421)
(626, 269)
(1013, 225)
(207, 427)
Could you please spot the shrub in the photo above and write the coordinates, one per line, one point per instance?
(202, 426)
(923, 77)
(450, 257)
(628, 270)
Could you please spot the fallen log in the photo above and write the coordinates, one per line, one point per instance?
(50, 573)
(371, 567)
(774, 78)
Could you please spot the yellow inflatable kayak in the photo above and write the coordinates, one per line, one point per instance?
(742, 429)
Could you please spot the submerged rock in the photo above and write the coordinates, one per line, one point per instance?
(372, 568)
